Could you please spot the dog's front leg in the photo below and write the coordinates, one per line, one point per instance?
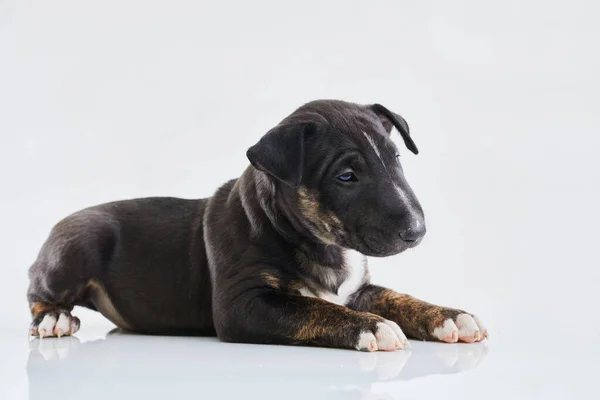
(281, 318)
(419, 319)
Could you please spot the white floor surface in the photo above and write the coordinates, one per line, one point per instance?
(102, 363)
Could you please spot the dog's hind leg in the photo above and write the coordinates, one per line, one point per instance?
(72, 256)
(53, 292)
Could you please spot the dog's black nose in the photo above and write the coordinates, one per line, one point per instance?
(413, 232)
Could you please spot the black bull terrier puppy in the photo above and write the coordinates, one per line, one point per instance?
(276, 256)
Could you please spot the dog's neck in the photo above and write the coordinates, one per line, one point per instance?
(283, 219)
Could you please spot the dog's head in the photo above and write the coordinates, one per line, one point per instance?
(336, 164)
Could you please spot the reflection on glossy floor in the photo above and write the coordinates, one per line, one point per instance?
(170, 367)
(102, 363)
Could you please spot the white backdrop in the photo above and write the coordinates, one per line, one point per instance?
(117, 99)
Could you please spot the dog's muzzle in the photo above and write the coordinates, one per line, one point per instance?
(413, 232)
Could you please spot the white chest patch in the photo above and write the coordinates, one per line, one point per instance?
(356, 266)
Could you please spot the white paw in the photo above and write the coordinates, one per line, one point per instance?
(387, 336)
(464, 328)
(64, 325)
(46, 327)
(482, 328)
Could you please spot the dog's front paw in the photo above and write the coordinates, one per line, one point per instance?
(462, 327)
(386, 336)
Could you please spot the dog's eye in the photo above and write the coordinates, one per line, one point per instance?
(398, 157)
(347, 177)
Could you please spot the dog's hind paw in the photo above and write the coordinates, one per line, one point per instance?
(54, 324)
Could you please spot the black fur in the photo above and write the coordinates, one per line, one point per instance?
(233, 264)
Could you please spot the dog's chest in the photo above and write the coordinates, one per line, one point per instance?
(338, 286)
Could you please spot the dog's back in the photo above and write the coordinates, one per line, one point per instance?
(150, 251)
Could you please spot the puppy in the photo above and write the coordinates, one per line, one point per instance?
(275, 256)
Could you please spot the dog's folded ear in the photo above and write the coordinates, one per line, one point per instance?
(280, 152)
(390, 119)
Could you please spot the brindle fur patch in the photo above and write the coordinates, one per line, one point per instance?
(324, 224)
(271, 280)
(40, 308)
(295, 286)
(418, 319)
(324, 321)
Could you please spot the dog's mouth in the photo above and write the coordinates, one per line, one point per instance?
(373, 243)
(373, 246)
(387, 251)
